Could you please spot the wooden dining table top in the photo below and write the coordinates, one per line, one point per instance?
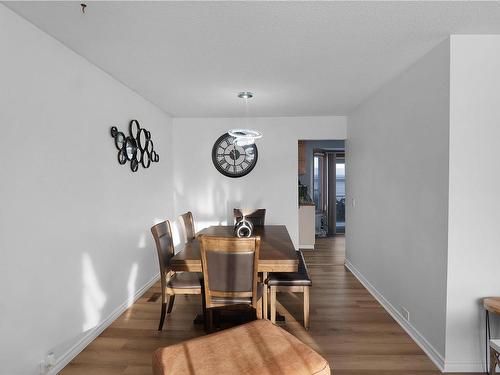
(277, 253)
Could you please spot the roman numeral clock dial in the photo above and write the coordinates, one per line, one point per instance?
(231, 159)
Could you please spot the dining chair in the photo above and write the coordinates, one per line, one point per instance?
(172, 283)
(230, 273)
(188, 223)
(295, 282)
(256, 216)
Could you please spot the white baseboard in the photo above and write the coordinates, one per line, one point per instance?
(420, 340)
(464, 367)
(92, 334)
(306, 247)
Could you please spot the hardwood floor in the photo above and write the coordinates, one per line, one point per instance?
(347, 326)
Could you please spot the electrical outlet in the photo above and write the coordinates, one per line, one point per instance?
(47, 363)
(50, 361)
(405, 313)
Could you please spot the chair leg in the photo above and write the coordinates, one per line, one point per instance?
(162, 316)
(210, 314)
(273, 304)
(204, 307)
(493, 365)
(306, 307)
(264, 296)
(258, 310)
(494, 356)
(216, 318)
(171, 300)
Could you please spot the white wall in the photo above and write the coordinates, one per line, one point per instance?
(397, 172)
(74, 225)
(474, 215)
(199, 187)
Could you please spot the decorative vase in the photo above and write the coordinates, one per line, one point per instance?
(243, 228)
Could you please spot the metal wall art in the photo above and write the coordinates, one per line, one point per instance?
(137, 147)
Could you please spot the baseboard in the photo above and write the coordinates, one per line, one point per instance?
(420, 340)
(92, 334)
(306, 247)
(464, 367)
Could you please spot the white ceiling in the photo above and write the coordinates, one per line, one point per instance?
(300, 58)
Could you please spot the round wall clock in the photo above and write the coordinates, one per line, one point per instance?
(231, 159)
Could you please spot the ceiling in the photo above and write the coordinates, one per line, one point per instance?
(299, 58)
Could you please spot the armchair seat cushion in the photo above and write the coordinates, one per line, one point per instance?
(184, 280)
(258, 347)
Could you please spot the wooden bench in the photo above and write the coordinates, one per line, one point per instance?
(294, 282)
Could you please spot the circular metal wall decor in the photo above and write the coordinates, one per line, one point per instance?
(232, 159)
(137, 147)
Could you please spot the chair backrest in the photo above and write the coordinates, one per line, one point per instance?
(162, 233)
(188, 222)
(256, 216)
(230, 267)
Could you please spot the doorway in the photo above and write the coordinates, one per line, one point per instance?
(325, 176)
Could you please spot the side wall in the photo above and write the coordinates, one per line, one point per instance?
(474, 215)
(199, 187)
(397, 178)
(74, 225)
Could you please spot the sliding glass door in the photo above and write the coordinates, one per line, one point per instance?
(329, 191)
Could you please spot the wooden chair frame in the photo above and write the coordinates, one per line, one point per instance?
(494, 361)
(188, 224)
(165, 272)
(230, 245)
(294, 289)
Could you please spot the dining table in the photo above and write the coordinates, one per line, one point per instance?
(277, 252)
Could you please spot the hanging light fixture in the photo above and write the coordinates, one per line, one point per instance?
(244, 137)
(245, 95)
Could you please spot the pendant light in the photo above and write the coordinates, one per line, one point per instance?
(244, 137)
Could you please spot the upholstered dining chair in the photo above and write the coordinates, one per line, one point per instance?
(188, 224)
(256, 216)
(295, 282)
(172, 283)
(230, 273)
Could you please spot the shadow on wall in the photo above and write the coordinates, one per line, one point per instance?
(93, 303)
(93, 297)
(209, 208)
(231, 205)
(214, 202)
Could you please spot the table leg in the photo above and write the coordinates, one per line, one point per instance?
(264, 296)
(488, 336)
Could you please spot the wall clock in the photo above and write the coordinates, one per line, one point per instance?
(232, 159)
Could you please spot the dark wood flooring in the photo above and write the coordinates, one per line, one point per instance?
(348, 327)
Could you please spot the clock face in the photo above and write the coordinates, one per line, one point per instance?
(231, 159)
